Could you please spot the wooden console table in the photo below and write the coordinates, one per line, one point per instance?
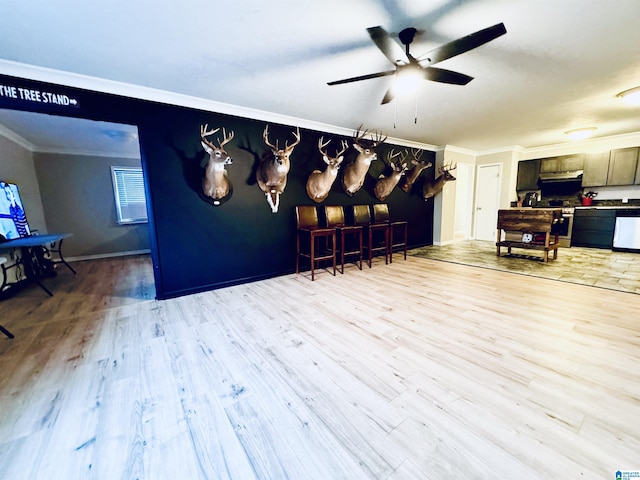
(536, 228)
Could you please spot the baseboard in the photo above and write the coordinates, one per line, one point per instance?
(107, 255)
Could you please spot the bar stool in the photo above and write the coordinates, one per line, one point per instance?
(376, 234)
(398, 229)
(349, 236)
(308, 226)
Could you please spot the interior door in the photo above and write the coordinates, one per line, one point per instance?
(487, 201)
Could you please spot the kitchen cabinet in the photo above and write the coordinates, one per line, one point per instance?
(623, 163)
(563, 163)
(528, 173)
(596, 167)
(593, 227)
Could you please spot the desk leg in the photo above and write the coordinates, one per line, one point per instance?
(61, 258)
(6, 332)
(31, 268)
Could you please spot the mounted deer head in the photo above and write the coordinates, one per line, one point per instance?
(215, 182)
(319, 183)
(354, 174)
(385, 185)
(433, 187)
(412, 175)
(272, 171)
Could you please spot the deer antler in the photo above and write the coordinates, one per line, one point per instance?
(377, 138)
(345, 145)
(297, 137)
(225, 139)
(391, 155)
(417, 153)
(204, 133)
(265, 137)
(447, 167)
(357, 137)
(321, 145)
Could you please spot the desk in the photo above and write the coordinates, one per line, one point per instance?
(2, 329)
(32, 260)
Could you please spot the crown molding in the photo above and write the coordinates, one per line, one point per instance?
(15, 138)
(69, 79)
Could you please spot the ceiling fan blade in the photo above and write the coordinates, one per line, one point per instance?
(463, 44)
(362, 77)
(446, 76)
(389, 47)
(388, 96)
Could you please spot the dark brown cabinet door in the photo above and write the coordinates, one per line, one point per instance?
(593, 227)
(528, 174)
(596, 166)
(623, 164)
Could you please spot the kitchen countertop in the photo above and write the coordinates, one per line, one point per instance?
(618, 207)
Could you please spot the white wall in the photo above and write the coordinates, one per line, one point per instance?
(444, 218)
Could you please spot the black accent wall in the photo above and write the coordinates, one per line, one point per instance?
(196, 246)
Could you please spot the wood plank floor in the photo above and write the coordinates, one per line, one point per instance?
(416, 370)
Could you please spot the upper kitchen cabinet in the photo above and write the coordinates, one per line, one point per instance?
(528, 173)
(596, 167)
(623, 164)
(564, 163)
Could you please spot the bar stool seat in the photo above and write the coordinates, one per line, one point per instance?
(349, 236)
(376, 234)
(398, 229)
(308, 228)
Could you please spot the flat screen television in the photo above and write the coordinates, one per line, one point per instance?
(13, 220)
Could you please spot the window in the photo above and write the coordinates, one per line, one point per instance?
(128, 189)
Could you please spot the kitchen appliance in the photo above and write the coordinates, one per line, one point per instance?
(530, 200)
(564, 230)
(567, 176)
(626, 235)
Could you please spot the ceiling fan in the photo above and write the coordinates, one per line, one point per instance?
(405, 62)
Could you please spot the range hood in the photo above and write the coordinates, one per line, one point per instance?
(555, 177)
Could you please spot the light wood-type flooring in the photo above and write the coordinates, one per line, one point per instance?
(420, 369)
(597, 267)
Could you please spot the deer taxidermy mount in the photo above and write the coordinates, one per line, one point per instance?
(405, 63)
(412, 175)
(355, 172)
(320, 182)
(385, 185)
(433, 187)
(273, 170)
(216, 185)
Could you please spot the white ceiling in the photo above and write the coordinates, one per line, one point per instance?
(559, 66)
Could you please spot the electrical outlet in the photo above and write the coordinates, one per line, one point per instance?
(625, 200)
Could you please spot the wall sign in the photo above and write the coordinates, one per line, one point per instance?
(23, 96)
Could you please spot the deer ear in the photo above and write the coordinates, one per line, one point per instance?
(326, 159)
(357, 147)
(340, 158)
(206, 147)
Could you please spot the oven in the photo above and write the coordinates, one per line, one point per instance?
(564, 230)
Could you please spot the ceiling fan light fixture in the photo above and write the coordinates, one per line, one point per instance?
(631, 96)
(407, 80)
(580, 133)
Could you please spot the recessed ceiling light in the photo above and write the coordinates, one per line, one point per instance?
(580, 133)
(631, 96)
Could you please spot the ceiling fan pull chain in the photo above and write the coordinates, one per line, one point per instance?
(415, 116)
(395, 113)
